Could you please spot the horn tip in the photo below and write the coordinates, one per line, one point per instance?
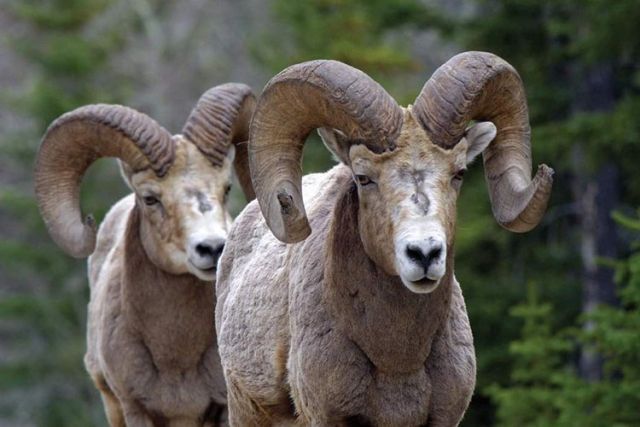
(294, 234)
(532, 214)
(79, 242)
(294, 220)
(545, 172)
(286, 217)
(80, 248)
(90, 222)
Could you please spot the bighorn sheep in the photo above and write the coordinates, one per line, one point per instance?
(364, 323)
(151, 343)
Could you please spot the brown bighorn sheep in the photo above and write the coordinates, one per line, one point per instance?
(151, 343)
(363, 322)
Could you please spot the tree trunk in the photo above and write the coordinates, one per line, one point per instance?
(597, 195)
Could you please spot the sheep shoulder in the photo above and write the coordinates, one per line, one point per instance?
(105, 264)
(252, 288)
(110, 235)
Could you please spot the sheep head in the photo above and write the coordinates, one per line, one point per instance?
(407, 199)
(407, 163)
(180, 182)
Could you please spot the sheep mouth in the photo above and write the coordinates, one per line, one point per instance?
(425, 283)
(422, 286)
(206, 272)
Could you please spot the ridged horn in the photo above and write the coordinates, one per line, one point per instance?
(221, 118)
(482, 86)
(71, 144)
(299, 99)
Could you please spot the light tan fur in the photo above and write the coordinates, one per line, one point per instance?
(330, 327)
(151, 343)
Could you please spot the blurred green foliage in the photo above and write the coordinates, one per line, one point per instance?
(352, 31)
(59, 15)
(42, 378)
(523, 292)
(545, 388)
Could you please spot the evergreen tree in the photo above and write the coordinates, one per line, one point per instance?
(615, 334)
(546, 390)
(536, 377)
(44, 296)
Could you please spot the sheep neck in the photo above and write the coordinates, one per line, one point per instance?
(393, 326)
(171, 314)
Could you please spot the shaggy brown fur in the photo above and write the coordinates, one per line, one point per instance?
(155, 363)
(358, 344)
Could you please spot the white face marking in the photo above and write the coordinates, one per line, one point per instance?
(206, 236)
(420, 242)
(184, 215)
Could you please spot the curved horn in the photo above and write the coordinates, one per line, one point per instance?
(482, 86)
(301, 98)
(221, 118)
(71, 144)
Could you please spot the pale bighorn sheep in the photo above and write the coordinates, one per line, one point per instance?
(151, 343)
(363, 323)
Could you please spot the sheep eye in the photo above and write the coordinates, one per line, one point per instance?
(363, 180)
(459, 175)
(227, 189)
(150, 200)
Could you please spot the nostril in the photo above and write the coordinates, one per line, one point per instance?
(434, 253)
(416, 254)
(217, 251)
(206, 250)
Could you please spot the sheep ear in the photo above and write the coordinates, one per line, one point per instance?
(479, 136)
(336, 142)
(126, 172)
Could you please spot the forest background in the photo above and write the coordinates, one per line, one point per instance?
(555, 312)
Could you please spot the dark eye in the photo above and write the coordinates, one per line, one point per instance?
(363, 180)
(459, 175)
(150, 200)
(226, 192)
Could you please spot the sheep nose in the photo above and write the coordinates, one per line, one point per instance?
(207, 252)
(424, 256)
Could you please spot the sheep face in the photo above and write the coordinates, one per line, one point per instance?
(184, 219)
(407, 197)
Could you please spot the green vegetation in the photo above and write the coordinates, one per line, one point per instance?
(43, 317)
(545, 388)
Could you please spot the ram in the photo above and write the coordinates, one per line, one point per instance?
(362, 321)
(151, 344)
